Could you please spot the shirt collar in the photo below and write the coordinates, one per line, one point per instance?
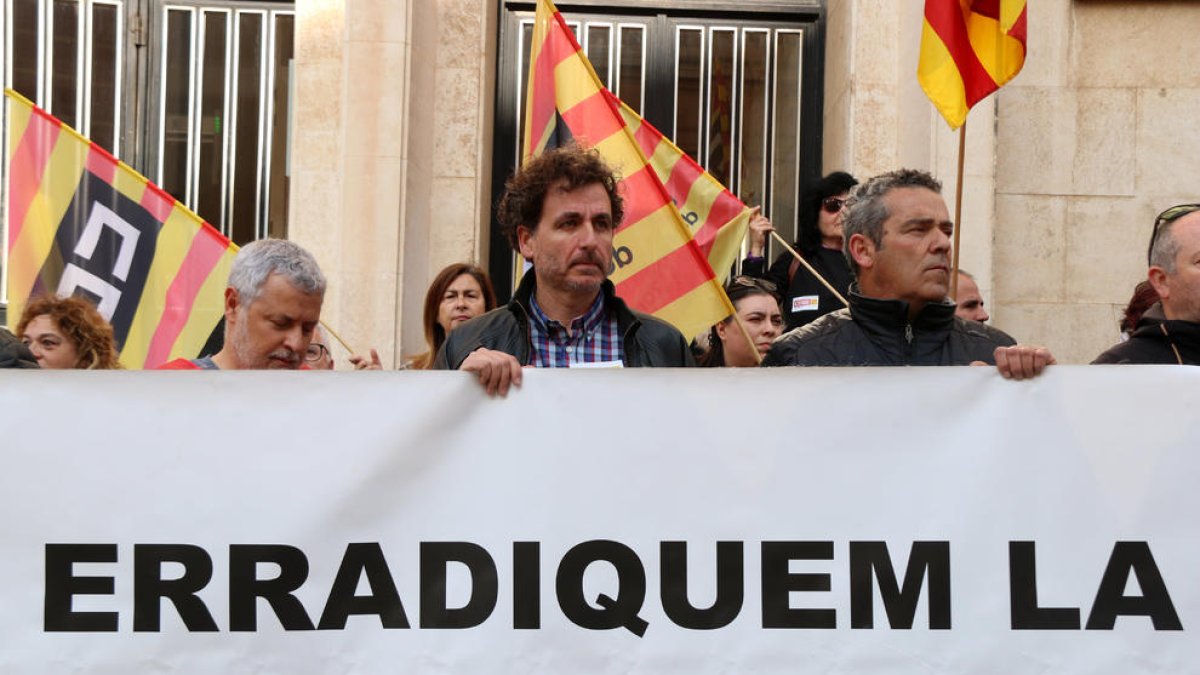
(585, 324)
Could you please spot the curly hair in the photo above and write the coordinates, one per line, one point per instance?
(80, 323)
(570, 166)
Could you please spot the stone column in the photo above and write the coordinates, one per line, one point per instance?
(391, 137)
(877, 118)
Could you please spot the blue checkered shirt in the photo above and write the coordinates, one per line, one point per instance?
(594, 338)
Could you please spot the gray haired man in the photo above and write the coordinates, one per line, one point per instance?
(897, 234)
(272, 306)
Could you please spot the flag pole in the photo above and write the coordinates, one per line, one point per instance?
(958, 190)
(746, 334)
(337, 337)
(809, 267)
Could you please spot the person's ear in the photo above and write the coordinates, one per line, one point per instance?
(1160, 280)
(863, 250)
(525, 242)
(232, 303)
(721, 328)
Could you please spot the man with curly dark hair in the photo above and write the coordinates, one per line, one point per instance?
(560, 212)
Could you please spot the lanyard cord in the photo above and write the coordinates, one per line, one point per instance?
(1163, 328)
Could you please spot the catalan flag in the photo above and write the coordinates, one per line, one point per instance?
(83, 223)
(658, 267)
(717, 219)
(969, 49)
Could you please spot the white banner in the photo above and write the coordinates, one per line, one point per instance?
(935, 520)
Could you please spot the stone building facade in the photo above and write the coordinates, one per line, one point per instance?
(1066, 166)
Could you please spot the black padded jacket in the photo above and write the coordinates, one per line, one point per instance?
(648, 342)
(876, 332)
(1157, 339)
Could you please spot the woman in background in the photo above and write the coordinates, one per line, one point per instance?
(805, 298)
(758, 307)
(459, 292)
(65, 333)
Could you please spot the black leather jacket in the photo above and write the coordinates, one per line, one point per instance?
(1157, 339)
(648, 342)
(875, 332)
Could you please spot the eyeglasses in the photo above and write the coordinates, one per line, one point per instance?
(1165, 218)
(316, 351)
(833, 205)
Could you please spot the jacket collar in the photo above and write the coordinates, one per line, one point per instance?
(1185, 332)
(886, 316)
(612, 303)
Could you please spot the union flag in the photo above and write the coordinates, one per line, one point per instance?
(83, 223)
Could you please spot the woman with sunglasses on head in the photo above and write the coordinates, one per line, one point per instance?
(757, 306)
(804, 297)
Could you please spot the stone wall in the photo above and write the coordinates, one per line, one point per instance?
(1065, 169)
(1066, 165)
(391, 144)
(1095, 137)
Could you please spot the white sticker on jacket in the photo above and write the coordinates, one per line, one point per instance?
(805, 303)
(599, 364)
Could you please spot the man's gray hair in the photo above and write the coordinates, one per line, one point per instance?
(865, 211)
(1166, 247)
(260, 259)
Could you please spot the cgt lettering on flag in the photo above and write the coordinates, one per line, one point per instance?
(82, 223)
(103, 249)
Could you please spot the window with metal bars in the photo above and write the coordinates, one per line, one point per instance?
(737, 87)
(194, 95)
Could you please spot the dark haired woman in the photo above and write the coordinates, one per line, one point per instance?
(459, 292)
(820, 243)
(757, 306)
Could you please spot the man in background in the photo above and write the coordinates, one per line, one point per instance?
(1168, 332)
(969, 300)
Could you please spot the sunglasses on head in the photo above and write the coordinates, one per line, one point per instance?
(751, 282)
(833, 205)
(1165, 218)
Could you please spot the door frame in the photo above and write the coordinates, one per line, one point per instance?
(659, 111)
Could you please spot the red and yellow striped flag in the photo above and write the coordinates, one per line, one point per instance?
(82, 223)
(658, 268)
(717, 219)
(969, 49)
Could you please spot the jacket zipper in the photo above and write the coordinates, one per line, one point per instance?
(908, 339)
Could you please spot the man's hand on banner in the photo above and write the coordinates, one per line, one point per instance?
(496, 370)
(1021, 362)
